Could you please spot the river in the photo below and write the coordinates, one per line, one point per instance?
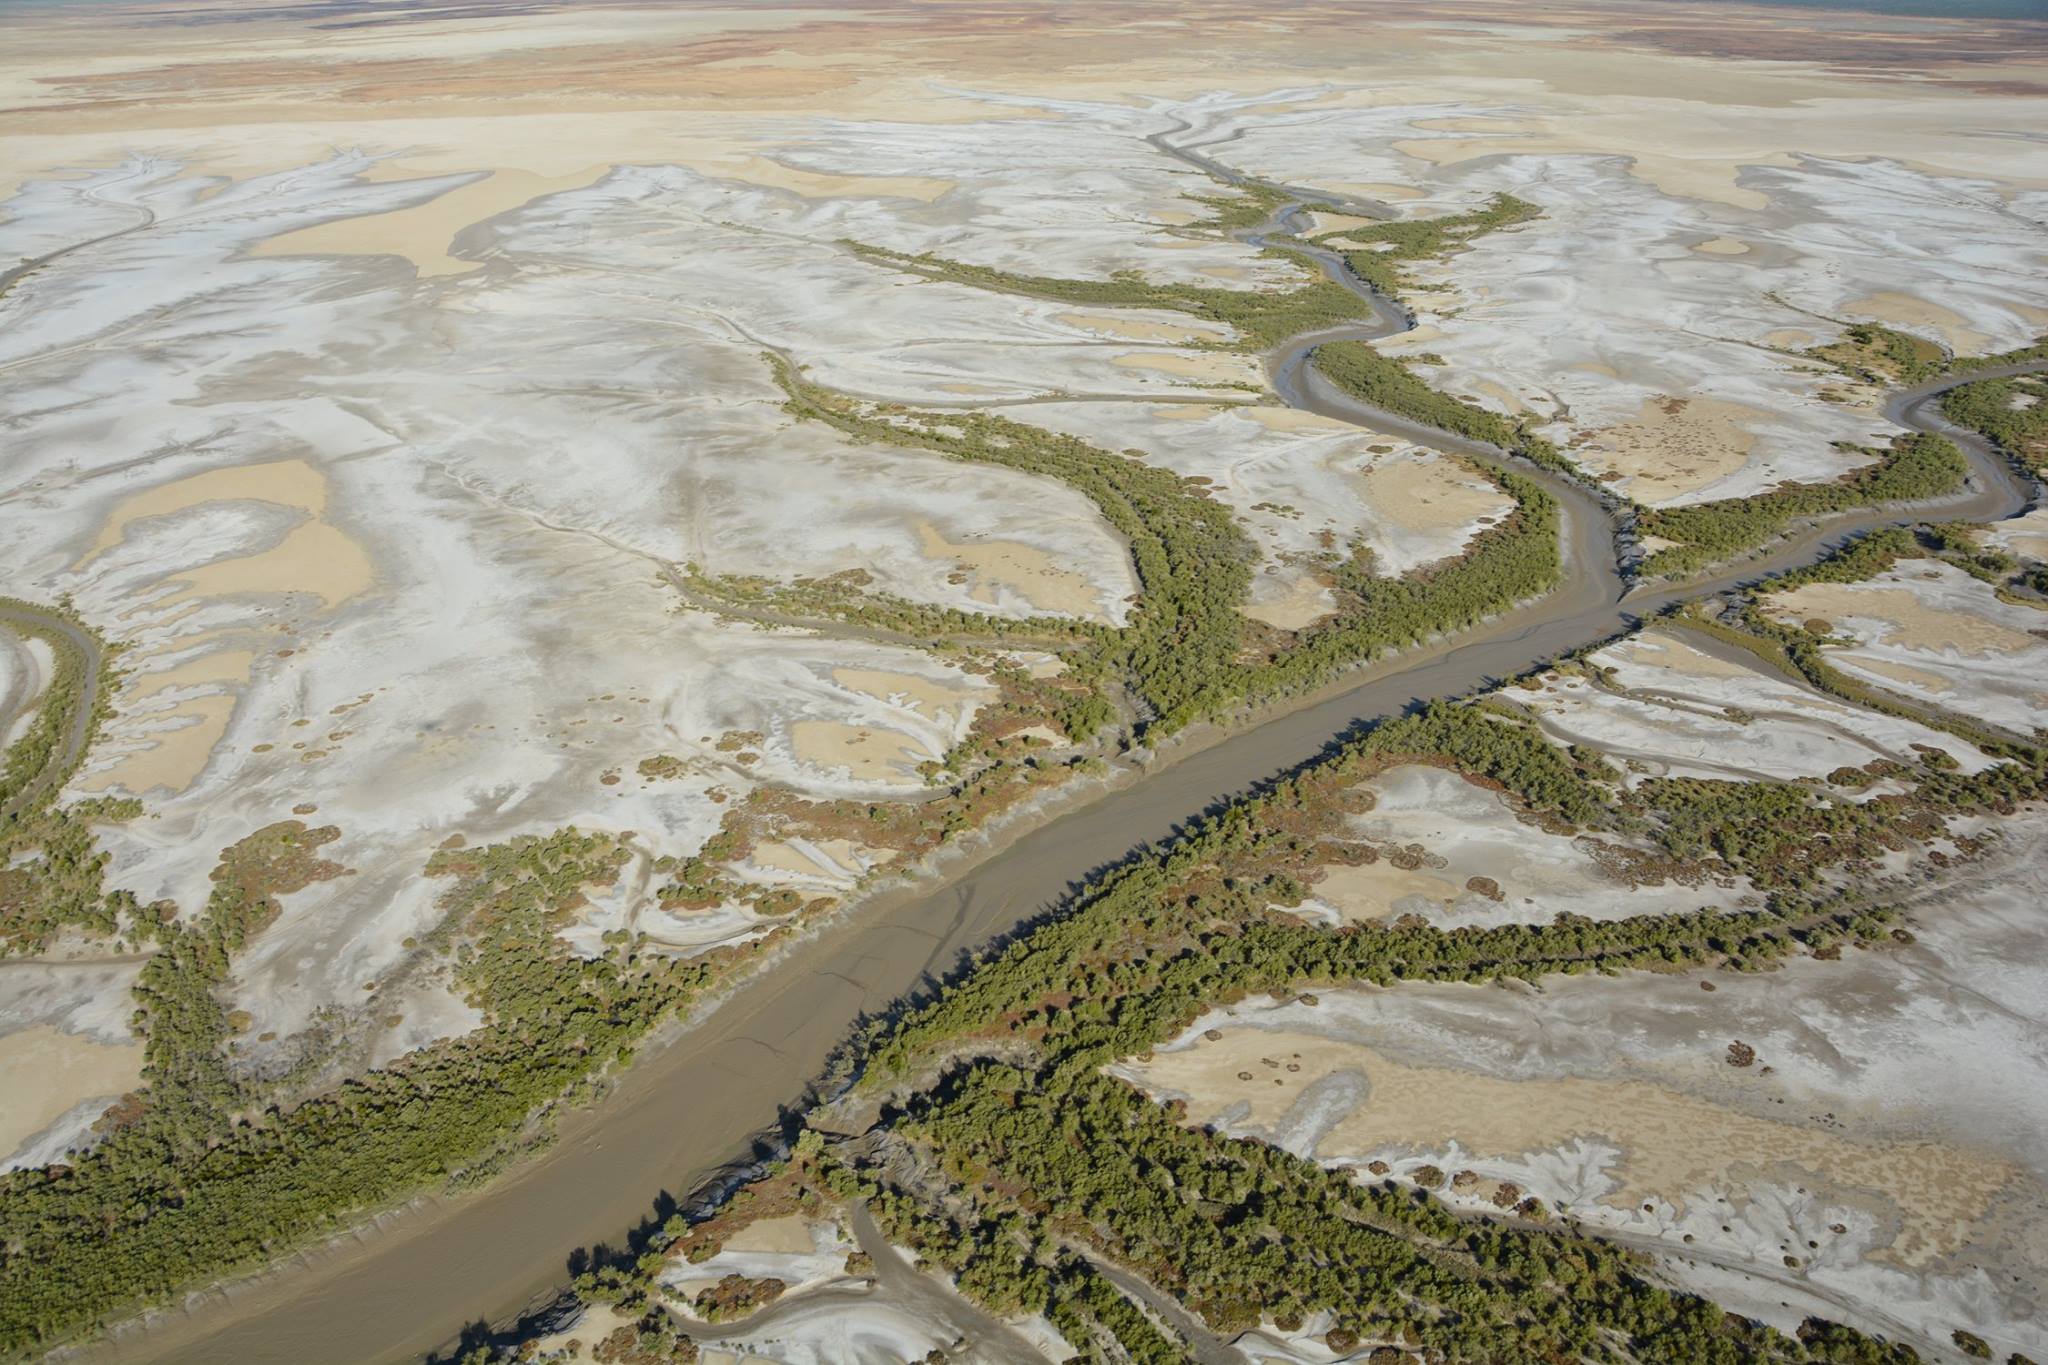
(708, 1098)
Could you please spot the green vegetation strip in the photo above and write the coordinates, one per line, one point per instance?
(1916, 467)
(1026, 1161)
(1383, 382)
(1182, 652)
(50, 872)
(2012, 413)
(1262, 318)
(202, 1175)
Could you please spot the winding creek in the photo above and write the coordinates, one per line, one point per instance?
(711, 1097)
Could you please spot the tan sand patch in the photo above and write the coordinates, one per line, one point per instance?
(1677, 446)
(1175, 217)
(1652, 544)
(1212, 367)
(597, 1321)
(220, 666)
(1340, 222)
(1595, 367)
(1189, 412)
(1234, 274)
(771, 174)
(789, 1235)
(1672, 1144)
(45, 1072)
(315, 558)
(423, 233)
(1293, 419)
(871, 754)
(289, 483)
(1916, 314)
(1723, 246)
(1375, 189)
(1500, 394)
(181, 740)
(1303, 602)
(1142, 329)
(1370, 892)
(1656, 649)
(1789, 339)
(1467, 124)
(926, 697)
(1029, 571)
(1908, 620)
(1424, 492)
(1415, 336)
(1905, 674)
(777, 856)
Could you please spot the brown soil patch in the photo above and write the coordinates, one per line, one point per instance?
(1032, 573)
(1369, 892)
(422, 234)
(871, 754)
(1673, 1144)
(1676, 446)
(1426, 492)
(1908, 620)
(1918, 315)
(1141, 329)
(45, 1072)
(1304, 602)
(1219, 367)
(928, 698)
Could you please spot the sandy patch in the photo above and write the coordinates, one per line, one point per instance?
(1675, 446)
(1917, 678)
(1723, 246)
(871, 754)
(1213, 368)
(1371, 892)
(45, 1073)
(1673, 1145)
(423, 233)
(1301, 602)
(923, 695)
(1188, 412)
(775, 175)
(1292, 420)
(834, 860)
(593, 1325)
(1419, 334)
(221, 666)
(1789, 339)
(1907, 619)
(1140, 329)
(1422, 492)
(1500, 394)
(1375, 189)
(1658, 650)
(1340, 222)
(316, 558)
(288, 483)
(1918, 315)
(2025, 536)
(1025, 569)
(789, 1235)
(180, 741)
